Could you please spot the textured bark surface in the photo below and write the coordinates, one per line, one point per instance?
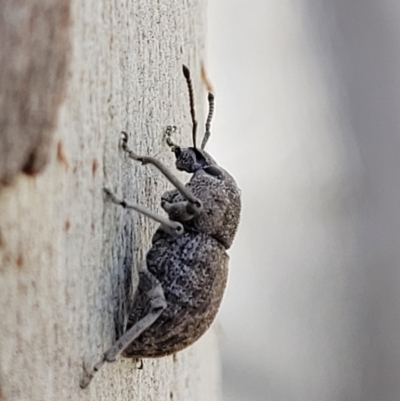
(65, 253)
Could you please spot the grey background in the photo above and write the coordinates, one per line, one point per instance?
(307, 120)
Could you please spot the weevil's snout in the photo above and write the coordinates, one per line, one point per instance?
(189, 159)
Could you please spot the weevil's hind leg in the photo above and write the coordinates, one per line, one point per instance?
(153, 294)
(152, 290)
(138, 363)
(164, 170)
(88, 374)
(86, 377)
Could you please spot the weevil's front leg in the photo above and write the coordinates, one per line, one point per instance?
(164, 170)
(167, 135)
(151, 289)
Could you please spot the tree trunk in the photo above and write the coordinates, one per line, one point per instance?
(68, 257)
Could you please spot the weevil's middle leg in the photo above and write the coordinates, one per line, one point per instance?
(174, 228)
(164, 170)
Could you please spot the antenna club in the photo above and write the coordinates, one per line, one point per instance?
(210, 97)
(186, 71)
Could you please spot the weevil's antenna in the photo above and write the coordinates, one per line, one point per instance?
(209, 118)
(186, 74)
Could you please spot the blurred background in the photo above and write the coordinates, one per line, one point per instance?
(307, 120)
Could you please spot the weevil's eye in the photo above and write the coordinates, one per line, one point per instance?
(199, 156)
(213, 170)
(177, 151)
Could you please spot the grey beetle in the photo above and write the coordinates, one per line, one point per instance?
(183, 279)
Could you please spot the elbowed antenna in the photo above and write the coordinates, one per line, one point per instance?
(186, 74)
(208, 121)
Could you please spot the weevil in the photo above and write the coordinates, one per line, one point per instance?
(183, 278)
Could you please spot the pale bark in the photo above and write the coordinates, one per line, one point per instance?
(66, 253)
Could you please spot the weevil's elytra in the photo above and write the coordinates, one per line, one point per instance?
(183, 279)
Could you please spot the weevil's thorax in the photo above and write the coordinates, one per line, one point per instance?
(217, 191)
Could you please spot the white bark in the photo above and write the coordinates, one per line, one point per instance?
(65, 252)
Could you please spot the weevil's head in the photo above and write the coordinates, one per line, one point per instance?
(193, 159)
(189, 159)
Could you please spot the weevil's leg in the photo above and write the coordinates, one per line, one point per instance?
(171, 227)
(88, 374)
(179, 211)
(167, 135)
(156, 304)
(170, 176)
(138, 363)
(154, 297)
(169, 196)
